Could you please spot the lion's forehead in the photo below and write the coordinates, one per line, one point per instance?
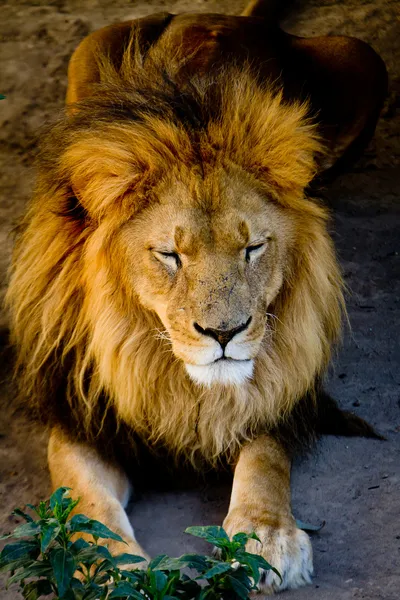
(185, 219)
(188, 230)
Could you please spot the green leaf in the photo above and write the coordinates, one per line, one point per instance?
(15, 564)
(127, 559)
(69, 508)
(93, 553)
(254, 536)
(64, 565)
(91, 592)
(241, 538)
(34, 569)
(189, 587)
(102, 578)
(206, 592)
(133, 576)
(76, 584)
(170, 564)
(42, 510)
(59, 498)
(124, 589)
(238, 587)
(78, 545)
(159, 579)
(192, 561)
(2, 97)
(277, 573)
(207, 532)
(25, 530)
(153, 564)
(82, 524)
(19, 513)
(36, 589)
(308, 526)
(49, 533)
(19, 550)
(217, 570)
(105, 566)
(254, 568)
(261, 562)
(213, 534)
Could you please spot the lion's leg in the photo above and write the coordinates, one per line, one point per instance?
(260, 502)
(103, 487)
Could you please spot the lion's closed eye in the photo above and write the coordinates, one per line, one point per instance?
(254, 251)
(171, 260)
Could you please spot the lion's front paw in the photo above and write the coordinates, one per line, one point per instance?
(285, 547)
(289, 551)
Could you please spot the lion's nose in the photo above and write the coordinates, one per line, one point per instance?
(223, 336)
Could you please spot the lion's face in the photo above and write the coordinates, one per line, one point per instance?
(209, 258)
(186, 213)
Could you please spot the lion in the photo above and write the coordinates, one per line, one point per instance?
(174, 285)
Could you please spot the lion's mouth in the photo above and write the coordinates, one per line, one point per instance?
(226, 359)
(223, 370)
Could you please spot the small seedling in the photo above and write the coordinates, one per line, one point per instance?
(49, 560)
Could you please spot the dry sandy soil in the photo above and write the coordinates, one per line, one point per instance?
(353, 484)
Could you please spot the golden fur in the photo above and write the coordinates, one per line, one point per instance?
(76, 321)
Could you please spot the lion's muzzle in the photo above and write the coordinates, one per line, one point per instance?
(230, 356)
(223, 336)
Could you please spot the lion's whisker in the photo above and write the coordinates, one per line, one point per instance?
(161, 334)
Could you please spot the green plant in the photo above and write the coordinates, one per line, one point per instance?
(48, 560)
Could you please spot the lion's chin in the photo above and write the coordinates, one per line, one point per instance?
(223, 372)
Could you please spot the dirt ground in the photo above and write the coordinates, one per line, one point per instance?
(352, 484)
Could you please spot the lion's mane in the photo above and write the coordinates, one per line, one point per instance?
(84, 354)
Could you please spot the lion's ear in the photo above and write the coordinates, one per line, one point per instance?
(102, 168)
(346, 82)
(110, 42)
